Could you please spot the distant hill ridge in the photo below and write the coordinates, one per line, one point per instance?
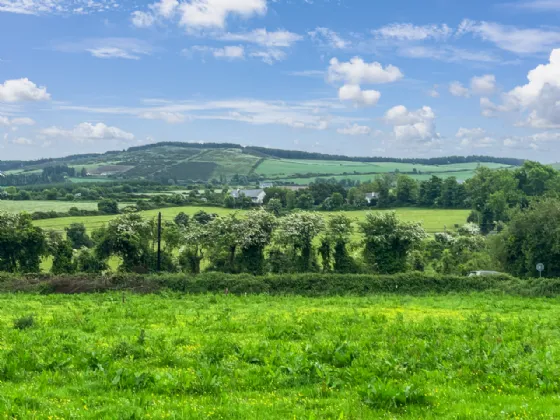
(264, 152)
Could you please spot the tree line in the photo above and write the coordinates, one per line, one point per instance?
(258, 242)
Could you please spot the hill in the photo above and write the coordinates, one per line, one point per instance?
(194, 162)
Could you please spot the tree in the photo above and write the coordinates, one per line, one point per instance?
(21, 244)
(51, 194)
(337, 200)
(257, 229)
(531, 237)
(407, 190)
(305, 201)
(108, 206)
(182, 219)
(388, 241)
(62, 252)
(274, 206)
(229, 202)
(383, 185)
(297, 231)
(87, 262)
(334, 244)
(131, 238)
(290, 200)
(76, 234)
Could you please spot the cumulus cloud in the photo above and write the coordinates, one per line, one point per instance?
(327, 37)
(21, 90)
(355, 130)
(483, 85)
(274, 39)
(474, 138)
(511, 38)
(89, 132)
(231, 52)
(539, 98)
(412, 126)
(198, 14)
(457, 89)
(410, 32)
(358, 96)
(356, 72)
(44, 7)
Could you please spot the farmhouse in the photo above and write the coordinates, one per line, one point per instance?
(371, 196)
(264, 185)
(256, 196)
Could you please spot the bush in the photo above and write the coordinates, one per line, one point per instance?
(24, 322)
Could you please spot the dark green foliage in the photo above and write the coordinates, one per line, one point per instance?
(62, 252)
(108, 206)
(182, 220)
(88, 262)
(76, 234)
(21, 244)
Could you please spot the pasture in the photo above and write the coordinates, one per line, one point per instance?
(31, 206)
(281, 168)
(126, 356)
(433, 220)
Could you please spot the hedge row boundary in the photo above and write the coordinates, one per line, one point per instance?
(308, 284)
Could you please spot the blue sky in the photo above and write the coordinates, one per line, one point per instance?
(356, 77)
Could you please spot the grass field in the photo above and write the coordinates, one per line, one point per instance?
(433, 220)
(34, 205)
(279, 168)
(461, 175)
(125, 356)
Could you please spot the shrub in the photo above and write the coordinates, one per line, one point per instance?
(24, 322)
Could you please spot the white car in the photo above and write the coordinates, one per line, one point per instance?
(483, 273)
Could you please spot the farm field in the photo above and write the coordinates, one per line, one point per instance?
(461, 175)
(31, 206)
(177, 356)
(278, 168)
(433, 220)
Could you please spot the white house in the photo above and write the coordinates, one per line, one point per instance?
(256, 196)
(264, 185)
(371, 196)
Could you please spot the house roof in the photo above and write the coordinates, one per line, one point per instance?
(371, 195)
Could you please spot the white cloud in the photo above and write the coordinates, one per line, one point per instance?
(270, 56)
(410, 32)
(275, 39)
(20, 90)
(327, 37)
(199, 14)
(44, 7)
(358, 96)
(305, 114)
(474, 138)
(88, 132)
(142, 19)
(357, 72)
(447, 53)
(22, 141)
(126, 48)
(413, 126)
(165, 8)
(539, 98)
(15, 121)
(470, 133)
(457, 89)
(232, 52)
(511, 38)
(169, 117)
(355, 130)
(483, 85)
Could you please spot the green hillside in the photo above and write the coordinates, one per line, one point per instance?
(192, 162)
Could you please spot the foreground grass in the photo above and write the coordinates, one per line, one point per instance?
(180, 356)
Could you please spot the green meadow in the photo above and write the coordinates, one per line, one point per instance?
(125, 356)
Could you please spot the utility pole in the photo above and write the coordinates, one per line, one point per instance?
(159, 243)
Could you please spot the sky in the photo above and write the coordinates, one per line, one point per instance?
(396, 78)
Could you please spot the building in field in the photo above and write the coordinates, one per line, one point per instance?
(264, 185)
(257, 196)
(371, 196)
(1, 174)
